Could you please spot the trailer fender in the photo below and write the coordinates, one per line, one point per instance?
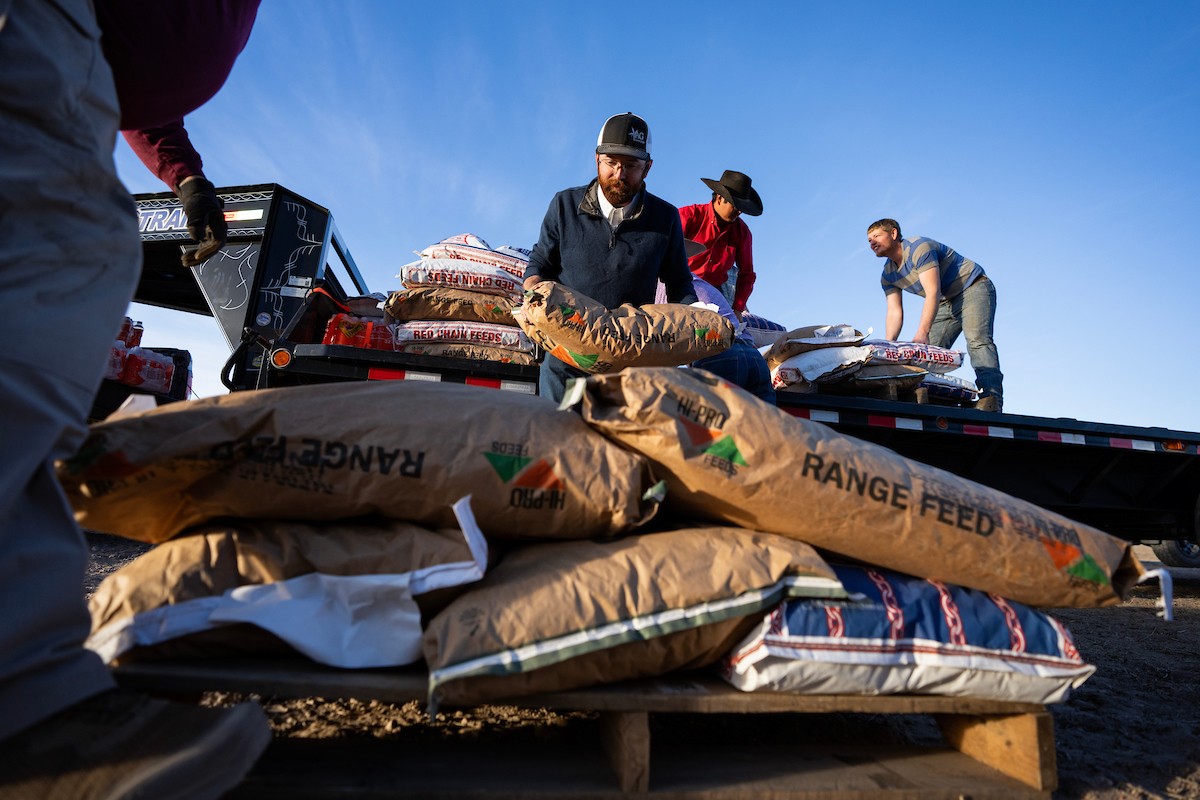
(1182, 552)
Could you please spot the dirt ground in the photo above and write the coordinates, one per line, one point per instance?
(1132, 731)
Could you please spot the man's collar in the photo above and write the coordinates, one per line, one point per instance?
(720, 223)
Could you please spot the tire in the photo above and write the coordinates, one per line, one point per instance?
(1178, 553)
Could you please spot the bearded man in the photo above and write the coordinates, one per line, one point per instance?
(611, 240)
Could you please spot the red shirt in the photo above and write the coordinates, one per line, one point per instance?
(727, 242)
(168, 57)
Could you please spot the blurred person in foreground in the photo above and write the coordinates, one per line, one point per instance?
(958, 298)
(728, 260)
(73, 73)
(611, 240)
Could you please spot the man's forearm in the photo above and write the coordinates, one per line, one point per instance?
(167, 152)
(928, 313)
(895, 321)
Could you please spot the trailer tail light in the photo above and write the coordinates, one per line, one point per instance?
(281, 358)
(384, 374)
(1175, 446)
(524, 387)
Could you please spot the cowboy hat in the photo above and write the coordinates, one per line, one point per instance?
(735, 187)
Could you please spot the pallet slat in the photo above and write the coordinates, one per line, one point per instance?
(626, 739)
(1003, 749)
(1019, 745)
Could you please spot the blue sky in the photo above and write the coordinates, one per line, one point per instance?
(1052, 142)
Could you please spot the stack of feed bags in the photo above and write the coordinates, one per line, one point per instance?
(948, 574)
(268, 506)
(457, 302)
(672, 523)
(841, 358)
(282, 527)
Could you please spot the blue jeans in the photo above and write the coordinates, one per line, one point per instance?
(744, 366)
(729, 287)
(972, 313)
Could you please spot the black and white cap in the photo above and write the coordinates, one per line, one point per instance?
(624, 135)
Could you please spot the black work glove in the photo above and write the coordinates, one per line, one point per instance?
(205, 220)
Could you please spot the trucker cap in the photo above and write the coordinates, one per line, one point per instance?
(624, 135)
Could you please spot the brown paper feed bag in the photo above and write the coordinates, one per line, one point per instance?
(584, 334)
(140, 610)
(570, 614)
(432, 302)
(401, 449)
(728, 459)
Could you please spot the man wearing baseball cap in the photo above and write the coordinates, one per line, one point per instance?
(611, 240)
(717, 224)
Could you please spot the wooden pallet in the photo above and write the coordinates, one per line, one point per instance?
(991, 749)
(918, 394)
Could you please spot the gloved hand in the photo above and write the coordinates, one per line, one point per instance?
(205, 219)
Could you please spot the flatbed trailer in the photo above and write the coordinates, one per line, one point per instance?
(1142, 484)
(286, 269)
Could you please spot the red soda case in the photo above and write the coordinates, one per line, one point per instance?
(168, 375)
(157, 373)
(348, 330)
(131, 373)
(116, 361)
(331, 329)
(382, 338)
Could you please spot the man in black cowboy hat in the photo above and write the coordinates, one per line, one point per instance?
(718, 226)
(611, 240)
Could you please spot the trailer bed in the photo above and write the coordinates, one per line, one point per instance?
(1137, 483)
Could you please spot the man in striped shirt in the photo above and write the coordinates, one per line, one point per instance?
(959, 298)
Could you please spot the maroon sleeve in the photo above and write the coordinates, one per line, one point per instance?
(167, 60)
(167, 152)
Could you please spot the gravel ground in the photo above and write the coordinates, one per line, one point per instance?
(1132, 731)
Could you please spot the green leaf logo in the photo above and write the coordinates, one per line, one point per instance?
(726, 449)
(1089, 570)
(507, 467)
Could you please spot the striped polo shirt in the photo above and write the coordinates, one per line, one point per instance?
(920, 253)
